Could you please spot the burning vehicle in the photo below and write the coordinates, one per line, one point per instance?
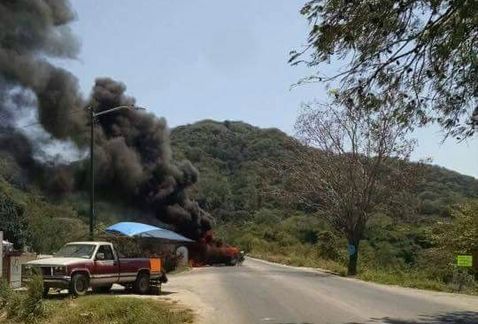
(209, 251)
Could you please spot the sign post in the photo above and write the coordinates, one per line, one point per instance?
(464, 260)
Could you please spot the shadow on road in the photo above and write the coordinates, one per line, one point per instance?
(463, 317)
(63, 294)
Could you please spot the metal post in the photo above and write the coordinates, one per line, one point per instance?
(92, 174)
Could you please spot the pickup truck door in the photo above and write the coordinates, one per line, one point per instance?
(106, 266)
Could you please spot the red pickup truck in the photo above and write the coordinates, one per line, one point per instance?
(80, 265)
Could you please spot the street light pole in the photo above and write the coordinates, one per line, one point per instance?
(92, 173)
(93, 115)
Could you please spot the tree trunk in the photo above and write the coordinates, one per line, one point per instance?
(353, 257)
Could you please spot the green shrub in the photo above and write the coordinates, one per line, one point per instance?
(32, 304)
(14, 305)
(462, 280)
(20, 306)
(13, 221)
(5, 293)
(328, 245)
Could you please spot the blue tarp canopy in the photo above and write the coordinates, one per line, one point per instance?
(145, 230)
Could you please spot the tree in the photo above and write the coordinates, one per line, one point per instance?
(352, 162)
(461, 235)
(12, 221)
(424, 52)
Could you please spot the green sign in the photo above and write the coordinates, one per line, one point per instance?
(464, 260)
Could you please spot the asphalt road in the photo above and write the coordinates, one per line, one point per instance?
(263, 292)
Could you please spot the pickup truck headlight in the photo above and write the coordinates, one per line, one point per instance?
(59, 271)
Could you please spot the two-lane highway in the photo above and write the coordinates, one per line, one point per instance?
(263, 292)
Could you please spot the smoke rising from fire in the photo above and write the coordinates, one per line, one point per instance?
(132, 151)
(134, 155)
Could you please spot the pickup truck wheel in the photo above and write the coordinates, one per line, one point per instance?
(141, 285)
(102, 289)
(79, 284)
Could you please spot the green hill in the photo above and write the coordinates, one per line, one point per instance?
(234, 160)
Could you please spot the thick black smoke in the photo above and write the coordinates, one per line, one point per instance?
(133, 155)
(31, 31)
(132, 150)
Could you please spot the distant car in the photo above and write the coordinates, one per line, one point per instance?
(80, 265)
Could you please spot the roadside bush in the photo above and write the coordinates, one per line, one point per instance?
(13, 221)
(5, 293)
(14, 305)
(32, 304)
(328, 245)
(51, 226)
(462, 280)
(442, 262)
(27, 307)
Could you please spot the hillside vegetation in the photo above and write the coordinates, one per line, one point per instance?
(235, 158)
(237, 182)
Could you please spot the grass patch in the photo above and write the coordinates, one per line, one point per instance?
(302, 261)
(111, 309)
(412, 279)
(404, 279)
(26, 306)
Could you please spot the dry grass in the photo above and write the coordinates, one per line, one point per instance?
(302, 261)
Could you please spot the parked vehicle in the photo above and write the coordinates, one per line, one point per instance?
(80, 265)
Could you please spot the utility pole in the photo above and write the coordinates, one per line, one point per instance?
(92, 173)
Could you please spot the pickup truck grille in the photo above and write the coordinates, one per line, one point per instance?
(46, 271)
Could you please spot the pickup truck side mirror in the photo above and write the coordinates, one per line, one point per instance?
(100, 256)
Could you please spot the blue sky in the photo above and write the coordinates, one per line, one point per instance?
(198, 59)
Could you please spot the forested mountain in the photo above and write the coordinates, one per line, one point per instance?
(234, 161)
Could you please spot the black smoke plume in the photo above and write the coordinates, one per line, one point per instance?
(134, 156)
(132, 151)
(30, 32)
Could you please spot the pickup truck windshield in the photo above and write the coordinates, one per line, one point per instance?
(84, 251)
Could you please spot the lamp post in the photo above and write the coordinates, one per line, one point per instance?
(93, 115)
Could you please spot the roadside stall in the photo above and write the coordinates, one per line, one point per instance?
(170, 246)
